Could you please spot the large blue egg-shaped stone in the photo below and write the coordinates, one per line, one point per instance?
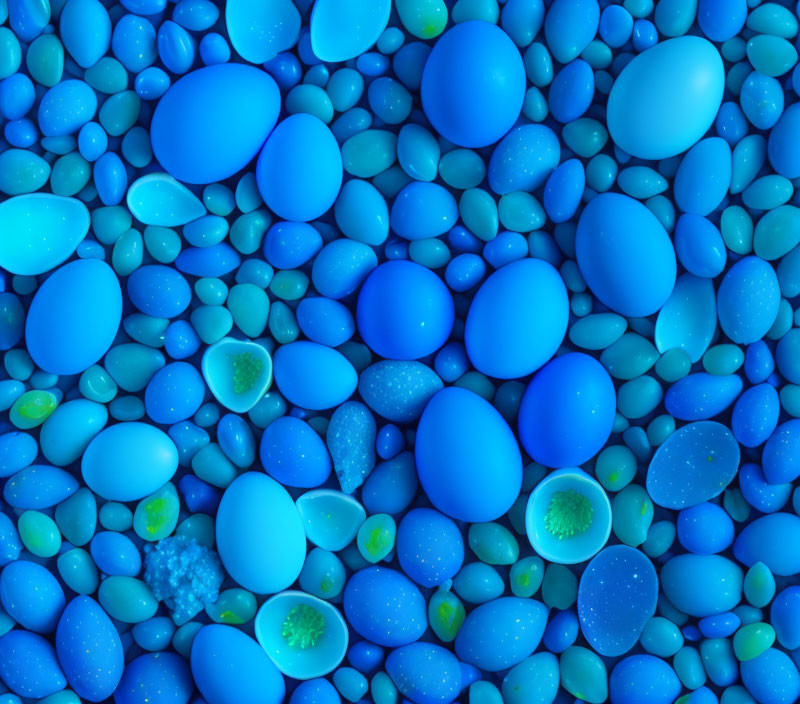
(617, 595)
(771, 539)
(473, 84)
(666, 98)
(625, 255)
(404, 311)
(426, 673)
(293, 453)
(567, 411)
(299, 170)
(31, 595)
(517, 319)
(313, 376)
(74, 317)
(702, 585)
(397, 618)
(128, 461)
(748, 300)
(693, 465)
(229, 667)
(28, 665)
(155, 678)
(89, 649)
(260, 535)
(212, 122)
(467, 457)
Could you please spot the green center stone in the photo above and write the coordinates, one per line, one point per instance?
(569, 514)
(246, 369)
(303, 627)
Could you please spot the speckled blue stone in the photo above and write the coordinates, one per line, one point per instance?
(398, 390)
(351, 442)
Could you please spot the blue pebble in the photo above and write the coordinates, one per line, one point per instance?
(699, 246)
(564, 190)
(422, 210)
(155, 678)
(720, 625)
(159, 290)
(702, 396)
(430, 548)
(523, 159)
(561, 632)
(785, 617)
(398, 390)
(397, 619)
(316, 691)
(643, 678)
(175, 393)
(32, 596)
(313, 376)
(66, 107)
(616, 597)
(571, 91)
(293, 453)
(703, 177)
(341, 266)
(702, 585)
(289, 245)
(28, 665)
(89, 649)
(769, 539)
(783, 146)
(115, 554)
(392, 485)
(351, 442)
(771, 677)
(17, 451)
(755, 415)
(705, 529)
(780, 459)
(425, 673)
(208, 262)
(325, 320)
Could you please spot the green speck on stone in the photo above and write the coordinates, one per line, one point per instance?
(246, 369)
(377, 542)
(569, 514)
(303, 627)
(32, 409)
(156, 512)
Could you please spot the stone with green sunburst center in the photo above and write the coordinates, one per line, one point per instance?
(246, 369)
(303, 627)
(569, 514)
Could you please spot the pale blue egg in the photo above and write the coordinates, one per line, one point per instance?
(299, 170)
(313, 376)
(666, 98)
(260, 536)
(769, 539)
(229, 667)
(468, 460)
(128, 461)
(85, 30)
(703, 177)
(569, 27)
(421, 210)
(259, 32)
(66, 433)
(625, 255)
(699, 246)
(39, 486)
(89, 649)
(325, 321)
(74, 317)
(213, 121)
(344, 30)
(517, 319)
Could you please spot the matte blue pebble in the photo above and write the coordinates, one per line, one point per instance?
(705, 529)
(758, 362)
(134, 42)
(39, 486)
(159, 291)
(365, 656)
(89, 649)
(399, 618)
(703, 177)
(66, 107)
(785, 617)
(571, 91)
(115, 554)
(784, 145)
(561, 632)
(780, 459)
(32, 596)
(208, 262)
(501, 633)
(181, 340)
(509, 331)
(17, 451)
(768, 539)
(702, 396)
(421, 210)
(430, 548)
(230, 667)
(28, 665)
(569, 27)
(699, 246)
(313, 376)
(761, 495)
(391, 486)
(325, 321)
(616, 596)
(666, 98)
(643, 678)
(398, 390)
(404, 311)
(293, 453)
(772, 677)
(299, 170)
(564, 189)
(175, 393)
(10, 544)
(719, 626)
(721, 19)
(693, 465)
(199, 496)
(426, 673)
(625, 255)
(467, 457)
(755, 415)
(702, 585)
(85, 30)
(761, 98)
(567, 411)
(155, 678)
(74, 317)
(461, 95)
(110, 178)
(187, 129)
(524, 159)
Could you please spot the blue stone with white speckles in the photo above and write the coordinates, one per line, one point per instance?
(89, 649)
(28, 665)
(426, 673)
(398, 390)
(351, 442)
(617, 595)
(155, 678)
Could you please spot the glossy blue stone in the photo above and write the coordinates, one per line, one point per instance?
(293, 453)
(159, 291)
(430, 548)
